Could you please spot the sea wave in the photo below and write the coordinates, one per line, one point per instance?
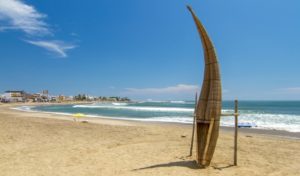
(167, 101)
(178, 102)
(120, 104)
(24, 108)
(138, 108)
(284, 122)
(30, 109)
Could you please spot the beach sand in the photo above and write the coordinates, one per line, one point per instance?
(46, 144)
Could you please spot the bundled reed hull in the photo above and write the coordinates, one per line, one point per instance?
(208, 110)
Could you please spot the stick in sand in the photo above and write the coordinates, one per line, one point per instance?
(193, 133)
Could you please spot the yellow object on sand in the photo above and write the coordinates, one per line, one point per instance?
(78, 115)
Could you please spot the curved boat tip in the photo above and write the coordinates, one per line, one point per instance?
(189, 7)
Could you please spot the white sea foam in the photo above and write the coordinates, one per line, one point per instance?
(29, 109)
(24, 108)
(274, 123)
(120, 104)
(138, 108)
(172, 101)
(285, 122)
(178, 102)
(153, 101)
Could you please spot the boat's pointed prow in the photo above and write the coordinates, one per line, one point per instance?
(189, 7)
(208, 109)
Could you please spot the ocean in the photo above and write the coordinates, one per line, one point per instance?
(272, 115)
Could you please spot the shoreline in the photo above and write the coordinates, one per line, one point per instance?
(34, 143)
(90, 118)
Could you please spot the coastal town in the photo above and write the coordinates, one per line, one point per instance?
(15, 96)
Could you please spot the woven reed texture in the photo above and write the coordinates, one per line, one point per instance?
(209, 105)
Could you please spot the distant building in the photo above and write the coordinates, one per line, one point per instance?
(61, 98)
(53, 98)
(112, 99)
(90, 98)
(14, 96)
(1, 98)
(68, 98)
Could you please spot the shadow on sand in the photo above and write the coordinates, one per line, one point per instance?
(222, 167)
(189, 164)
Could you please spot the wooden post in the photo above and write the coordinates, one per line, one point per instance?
(235, 130)
(193, 133)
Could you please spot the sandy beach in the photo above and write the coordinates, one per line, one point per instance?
(47, 144)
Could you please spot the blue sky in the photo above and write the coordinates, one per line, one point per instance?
(149, 49)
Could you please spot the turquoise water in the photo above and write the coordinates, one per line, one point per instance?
(277, 115)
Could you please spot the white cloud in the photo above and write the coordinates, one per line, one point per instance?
(290, 90)
(17, 15)
(58, 47)
(180, 88)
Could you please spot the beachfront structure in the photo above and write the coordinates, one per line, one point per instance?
(68, 98)
(208, 108)
(62, 98)
(22, 96)
(14, 96)
(90, 98)
(38, 97)
(1, 98)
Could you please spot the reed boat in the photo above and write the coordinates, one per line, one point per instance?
(208, 108)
